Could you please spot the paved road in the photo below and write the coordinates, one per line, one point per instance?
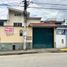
(35, 60)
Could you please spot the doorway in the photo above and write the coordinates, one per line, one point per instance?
(43, 37)
(13, 47)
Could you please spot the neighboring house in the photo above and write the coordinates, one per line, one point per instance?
(11, 31)
(61, 36)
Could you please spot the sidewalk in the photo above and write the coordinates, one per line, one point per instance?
(63, 49)
(17, 52)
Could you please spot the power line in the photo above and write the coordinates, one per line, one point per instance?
(35, 7)
(49, 4)
(39, 4)
(48, 8)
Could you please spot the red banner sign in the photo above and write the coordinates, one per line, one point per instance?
(9, 30)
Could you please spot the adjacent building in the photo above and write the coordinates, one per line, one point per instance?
(61, 36)
(11, 31)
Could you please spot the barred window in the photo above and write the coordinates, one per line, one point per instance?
(18, 14)
(17, 24)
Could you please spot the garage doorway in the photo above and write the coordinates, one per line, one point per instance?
(43, 37)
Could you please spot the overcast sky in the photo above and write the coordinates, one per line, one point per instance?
(44, 12)
(42, 1)
(52, 1)
(9, 1)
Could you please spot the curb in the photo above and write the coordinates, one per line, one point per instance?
(31, 52)
(17, 53)
(63, 50)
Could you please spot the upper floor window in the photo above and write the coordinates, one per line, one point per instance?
(60, 32)
(18, 14)
(17, 24)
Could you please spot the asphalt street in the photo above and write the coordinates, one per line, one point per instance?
(34, 60)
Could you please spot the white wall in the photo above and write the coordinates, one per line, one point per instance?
(59, 43)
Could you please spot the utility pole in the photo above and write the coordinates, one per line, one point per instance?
(25, 24)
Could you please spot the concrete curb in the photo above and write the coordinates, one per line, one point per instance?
(63, 50)
(16, 52)
(31, 51)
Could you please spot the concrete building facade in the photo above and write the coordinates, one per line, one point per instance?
(11, 31)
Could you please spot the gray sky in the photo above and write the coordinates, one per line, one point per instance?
(52, 1)
(9, 1)
(44, 12)
(42, 1)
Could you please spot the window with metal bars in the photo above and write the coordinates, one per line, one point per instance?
(17, 24)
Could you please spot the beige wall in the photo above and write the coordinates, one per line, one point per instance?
(34, 21)
(54, 37)
(15, 37)
(5, 38)
(13, 18)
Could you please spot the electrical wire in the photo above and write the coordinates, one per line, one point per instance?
(52, 8)
(48, 4)
(48, 8)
